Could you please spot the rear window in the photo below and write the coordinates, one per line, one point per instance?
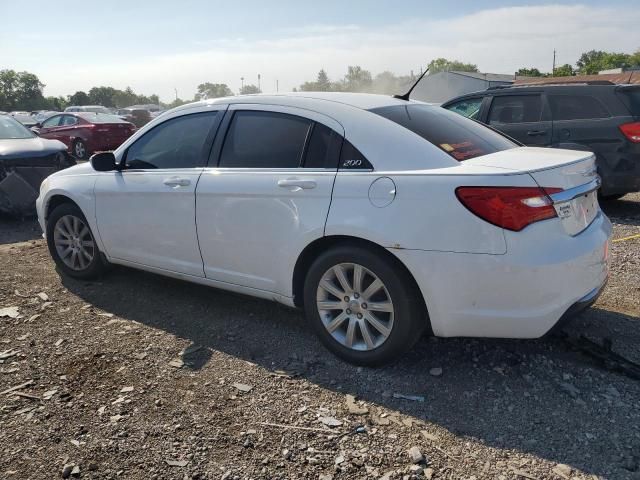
(631, 99)
(576, 107)
(100, 117)
(456, 135)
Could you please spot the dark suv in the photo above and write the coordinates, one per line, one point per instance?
(604, 119)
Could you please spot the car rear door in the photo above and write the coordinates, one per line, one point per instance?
(266, 194)
(523, 116)
(146, 212)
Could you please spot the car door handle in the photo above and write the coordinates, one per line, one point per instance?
(534, 133)
(296, 184)
(176, 182)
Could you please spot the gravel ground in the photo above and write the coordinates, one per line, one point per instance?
(138, 376)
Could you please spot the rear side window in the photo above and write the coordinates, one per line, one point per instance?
(176, 143)
(515, 109)
(576, 107)
(458, 136)
(631, 98)
(264, 140)
(469, 108)
(323, 150)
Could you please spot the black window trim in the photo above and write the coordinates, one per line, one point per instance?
(206, 148)
(225, 127)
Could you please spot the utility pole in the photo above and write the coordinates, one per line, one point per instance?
(176, 90)
(553, 71)
(277, 86)
(259, 82)
(242, 84)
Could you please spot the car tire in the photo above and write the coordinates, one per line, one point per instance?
(377, 335)
(72, 244)
(79, 150)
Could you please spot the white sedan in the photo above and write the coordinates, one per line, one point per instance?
(382, 218)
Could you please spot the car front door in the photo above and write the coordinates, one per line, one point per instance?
(146, 212)
(266, 194)
(49, 128)
(65, 132)
(522, 117)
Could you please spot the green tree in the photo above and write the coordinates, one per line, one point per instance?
(212, 90)
(357, 80)
(634, 59)
(79, 98)
(565, 70)
(20, 91)
(529, 72)
(445, 65)
(387, 83)
(248, 90)
(57, 104)
(322, 84)
(594, 61)
(102, 96)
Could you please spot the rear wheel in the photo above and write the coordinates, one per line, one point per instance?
(80, 150)
(72, 244)
(362, 306)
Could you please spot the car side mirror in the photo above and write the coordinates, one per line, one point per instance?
(104, 162)
(36, 129)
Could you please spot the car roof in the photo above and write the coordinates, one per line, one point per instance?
(363, 101)
(564, 87)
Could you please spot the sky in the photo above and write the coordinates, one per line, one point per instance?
(161, 46)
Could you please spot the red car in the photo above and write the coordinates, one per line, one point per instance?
(86, 132)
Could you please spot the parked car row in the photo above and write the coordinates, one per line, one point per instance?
(83, 132)
(603, 119)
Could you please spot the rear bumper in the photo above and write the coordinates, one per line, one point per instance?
(582, 304)
(545, 275)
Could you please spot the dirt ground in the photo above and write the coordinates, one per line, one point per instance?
(142, 377)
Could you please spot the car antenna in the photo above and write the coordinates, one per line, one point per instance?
(406, 95)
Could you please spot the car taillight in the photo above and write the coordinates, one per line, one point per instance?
(512, 208)
(631, 131)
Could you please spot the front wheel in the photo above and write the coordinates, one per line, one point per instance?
(363, 306)
(72, 244)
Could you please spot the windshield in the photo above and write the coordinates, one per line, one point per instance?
(12, 129)
(100, 117)
(454, 134)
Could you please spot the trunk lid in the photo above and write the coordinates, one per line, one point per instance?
(568, 176)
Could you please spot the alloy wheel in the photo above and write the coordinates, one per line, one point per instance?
(74, 243)
(355, 306)
(79, 149)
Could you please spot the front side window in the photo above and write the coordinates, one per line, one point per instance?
(52, 122)
(458, 136)
(469, 108)
(176, 143)
(258, 139)
(515, 109)
(576, 107)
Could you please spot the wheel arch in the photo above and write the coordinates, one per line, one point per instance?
(320, 245)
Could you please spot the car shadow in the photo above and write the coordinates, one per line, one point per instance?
(536, 396)
(624, 211)
(14, 230)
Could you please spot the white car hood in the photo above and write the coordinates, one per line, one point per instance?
(80, 169)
